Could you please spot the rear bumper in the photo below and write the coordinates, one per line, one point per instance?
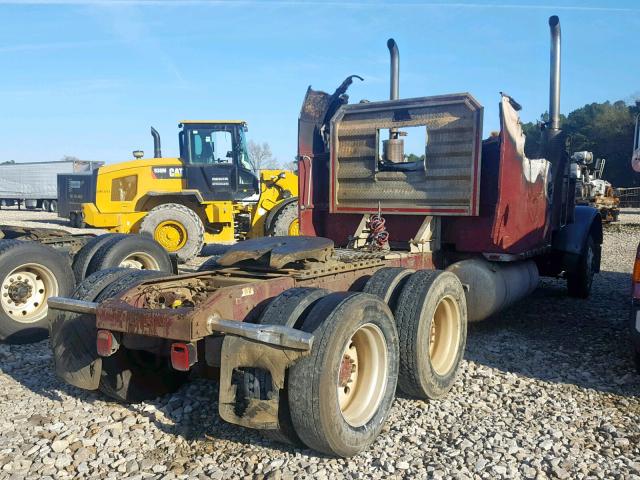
(172, 324)
(269, 347)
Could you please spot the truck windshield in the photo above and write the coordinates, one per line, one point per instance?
(210, 146)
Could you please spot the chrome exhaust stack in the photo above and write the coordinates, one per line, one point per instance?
(554, 74)
(395, 69)
(394, 147)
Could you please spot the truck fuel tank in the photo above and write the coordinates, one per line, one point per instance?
(493, 286)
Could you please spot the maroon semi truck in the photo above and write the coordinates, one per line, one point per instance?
(312, 334)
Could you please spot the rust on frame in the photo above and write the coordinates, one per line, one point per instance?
(116, 315)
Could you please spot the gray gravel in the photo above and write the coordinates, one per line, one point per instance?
(547, 390)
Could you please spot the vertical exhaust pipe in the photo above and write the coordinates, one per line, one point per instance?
(395, 69)
(157, 152)
(554, 79)
(394, 147)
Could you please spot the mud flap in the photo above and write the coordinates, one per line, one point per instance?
(73, 341)
(238, 352)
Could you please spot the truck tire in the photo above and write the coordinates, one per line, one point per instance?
(30, 273)
(53, 206)
(177, 228)
(340, 394)
(287, 309)
(284, 222)
(83, 257)
(130, 251)
(579, 281)
(387, 284)
(132, 376)
(45, 205)
(73, 335)
(431, 316)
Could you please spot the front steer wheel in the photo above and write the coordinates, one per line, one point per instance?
(30, 273)
(580, 280)
(341, 394)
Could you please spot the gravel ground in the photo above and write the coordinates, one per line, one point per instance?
(547, 390)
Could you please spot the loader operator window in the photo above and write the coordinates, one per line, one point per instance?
(244, 155)
(211, 147)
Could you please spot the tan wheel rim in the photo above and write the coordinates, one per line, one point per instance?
(294, 228)
(444, 336)
(25, 290)
(171, 235)
(140, 261)
(362, 376)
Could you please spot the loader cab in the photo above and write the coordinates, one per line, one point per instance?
(216, 161)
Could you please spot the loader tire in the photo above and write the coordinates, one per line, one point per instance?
(579, 281)
(131, 251)
(287, 309)
(340, 395)
(431, 316)
(177, 228)
(132, 376)
(284, 222)
(30, 273)
(73, 335)
(85, 255)
(387, 284)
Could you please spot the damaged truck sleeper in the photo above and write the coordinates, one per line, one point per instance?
(399, 249)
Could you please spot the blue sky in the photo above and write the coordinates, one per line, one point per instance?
(88, 78)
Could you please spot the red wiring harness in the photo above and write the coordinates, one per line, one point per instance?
(378, 238)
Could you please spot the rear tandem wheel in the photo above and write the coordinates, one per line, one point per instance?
(341, 393)
(287, 309)
(431, 316)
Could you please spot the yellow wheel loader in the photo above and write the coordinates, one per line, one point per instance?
(208, 195)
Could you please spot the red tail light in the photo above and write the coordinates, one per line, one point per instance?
(106, 343)
(183, 356)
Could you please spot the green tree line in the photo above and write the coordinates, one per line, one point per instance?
(606, 129)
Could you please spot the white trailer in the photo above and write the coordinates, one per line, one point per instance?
(34, 184)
